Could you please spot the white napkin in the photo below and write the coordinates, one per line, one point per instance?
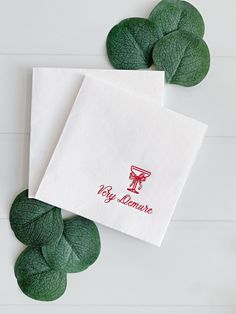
(121, 160)
(53, 93)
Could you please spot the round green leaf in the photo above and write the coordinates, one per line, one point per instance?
(36, 279)
(130, 43)
(171, 15)
(78, 247)
(184, 57)
(34, 222)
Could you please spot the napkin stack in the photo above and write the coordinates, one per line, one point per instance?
(103, 146)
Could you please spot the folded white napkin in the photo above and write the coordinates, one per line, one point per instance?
(121, 160)
(53, 93)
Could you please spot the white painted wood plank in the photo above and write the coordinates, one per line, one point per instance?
(81, 27)
(62, 309)
(194, 271)
(211, 102)
(210, 189)
(14, 159)
(209, 193)
(195, 266)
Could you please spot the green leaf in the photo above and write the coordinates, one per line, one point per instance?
(78, 247)
(36, 279)
(171, 15)
(130, 43)
(184, 57)
(34, 222)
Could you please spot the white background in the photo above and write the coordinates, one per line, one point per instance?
(195, 269)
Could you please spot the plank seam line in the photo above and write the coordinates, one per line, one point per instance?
(82, 55)
(182, 220)
(122, 305)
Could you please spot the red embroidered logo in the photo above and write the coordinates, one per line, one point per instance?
(138, 176)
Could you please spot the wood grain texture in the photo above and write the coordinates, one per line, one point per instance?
(89, 309)
(194, 271)
(79, 27)
(194, 266)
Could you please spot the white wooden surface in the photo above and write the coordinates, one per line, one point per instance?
(195, 269)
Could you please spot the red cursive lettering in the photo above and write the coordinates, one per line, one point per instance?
(105, 191)
(126, 200)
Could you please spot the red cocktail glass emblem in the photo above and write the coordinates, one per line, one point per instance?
(138, 176)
